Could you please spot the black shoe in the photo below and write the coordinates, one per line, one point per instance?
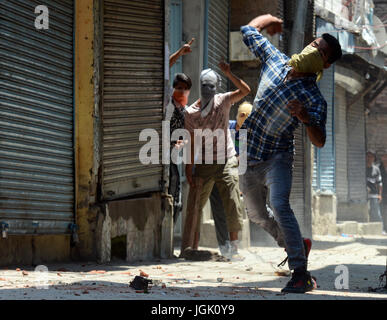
(307, 245)
(300, 282)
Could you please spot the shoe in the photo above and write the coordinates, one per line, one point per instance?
(307, 247)
(300, 282)
(234, 255)
(225, 250)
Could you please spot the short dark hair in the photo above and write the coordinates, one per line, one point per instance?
(181, 77)
(335, 46)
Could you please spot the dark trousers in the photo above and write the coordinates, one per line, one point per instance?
(174, 190)
(219, 217)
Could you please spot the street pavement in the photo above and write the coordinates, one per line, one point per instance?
(345, 267)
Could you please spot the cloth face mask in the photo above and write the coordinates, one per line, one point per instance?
(181, 96)
(209, 83)
(308, 61)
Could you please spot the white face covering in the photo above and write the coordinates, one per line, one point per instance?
(209, 83)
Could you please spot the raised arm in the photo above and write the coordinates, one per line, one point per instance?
(260, 46)
(272, 24)
(243, 88)
(181, 52)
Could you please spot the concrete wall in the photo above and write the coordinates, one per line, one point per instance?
(350, 147)
(324, 214)
(146, 223)
(193, 27)
(243, 11)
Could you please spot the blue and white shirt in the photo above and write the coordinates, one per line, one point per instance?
(270, 127)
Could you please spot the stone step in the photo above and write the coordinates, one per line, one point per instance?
(359, 228)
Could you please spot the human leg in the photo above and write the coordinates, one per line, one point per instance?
(278, 178)
(219, 217)
(254, 196)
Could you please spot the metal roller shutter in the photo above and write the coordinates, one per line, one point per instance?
(218, 36)
(324, 158)
(36, 118)
(356, 153)
(341, 145)
(297, 195)
(133, 88)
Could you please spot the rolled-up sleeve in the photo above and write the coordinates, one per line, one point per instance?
(260, 46)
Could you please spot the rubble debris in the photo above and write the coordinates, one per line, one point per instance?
(97, 272)
(143, 274)
(140, 283)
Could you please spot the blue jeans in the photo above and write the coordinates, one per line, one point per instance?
(273, 177)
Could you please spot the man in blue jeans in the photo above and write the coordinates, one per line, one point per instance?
(287, 95)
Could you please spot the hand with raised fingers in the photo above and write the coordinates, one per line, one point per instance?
(187, 47)
(225, 67)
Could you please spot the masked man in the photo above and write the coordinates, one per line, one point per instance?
(175, 115)
(217, 209)
(210, 114)
(287, 95)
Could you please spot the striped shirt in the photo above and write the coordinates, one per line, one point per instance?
(270, 127)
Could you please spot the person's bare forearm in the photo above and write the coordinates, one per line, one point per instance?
(239, 83)
(174, 57)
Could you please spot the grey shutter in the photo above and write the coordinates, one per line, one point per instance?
(36, 118)
(325, 163)
(341, 144)
(356, 153)
(297, 195)
(218, 36)
(133, 89)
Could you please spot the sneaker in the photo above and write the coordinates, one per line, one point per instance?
(234, 255)
(307, 247)
(225, 250)
(300, 282)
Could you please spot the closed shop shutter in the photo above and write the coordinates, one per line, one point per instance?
(341, 144)
(297, 195)
(133, 89)
(218, 37)
(36, 118)
(324, 158)
(356, 153)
